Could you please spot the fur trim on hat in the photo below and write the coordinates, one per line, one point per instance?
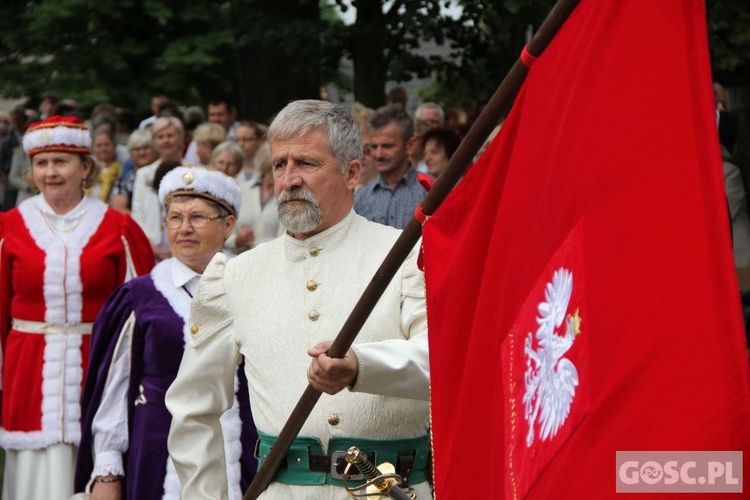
(57, 134)
(204, 182)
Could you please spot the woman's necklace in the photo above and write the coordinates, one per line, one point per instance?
(187, 291)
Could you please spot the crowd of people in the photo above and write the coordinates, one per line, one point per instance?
(105, 236)
(132, 157)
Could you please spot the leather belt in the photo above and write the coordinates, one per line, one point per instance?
(307, 464)
(332, 464)
(335, 465)
(40, 327)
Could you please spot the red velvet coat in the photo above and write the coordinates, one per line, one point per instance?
(52, 280)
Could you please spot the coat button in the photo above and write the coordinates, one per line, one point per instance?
(313, 315)
(194, 329)
(333, 419)
(312, 286)
(314, 251)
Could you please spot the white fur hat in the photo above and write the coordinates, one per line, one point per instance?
(193, 180)
(63, 134)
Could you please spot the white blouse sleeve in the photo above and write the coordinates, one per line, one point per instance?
(110, 425)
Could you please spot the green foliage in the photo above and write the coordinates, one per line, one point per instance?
(486, 41)
(120, 52)
(729, 36)
(265, 52)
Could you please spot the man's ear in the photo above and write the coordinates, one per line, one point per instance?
(353, 171)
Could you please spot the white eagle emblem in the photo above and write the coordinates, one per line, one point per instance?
(550, 379)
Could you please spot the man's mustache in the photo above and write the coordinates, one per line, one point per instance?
(296, 194)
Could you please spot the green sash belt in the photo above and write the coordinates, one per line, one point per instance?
(297, 458)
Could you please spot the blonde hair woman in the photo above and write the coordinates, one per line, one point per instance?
(207, 136)
(169, 134)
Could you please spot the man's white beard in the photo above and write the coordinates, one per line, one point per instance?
(299, 218)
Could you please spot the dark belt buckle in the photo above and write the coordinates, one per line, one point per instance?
(338, 457)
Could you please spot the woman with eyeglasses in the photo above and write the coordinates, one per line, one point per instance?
(137, 346)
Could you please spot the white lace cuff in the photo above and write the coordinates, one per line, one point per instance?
(108, 462)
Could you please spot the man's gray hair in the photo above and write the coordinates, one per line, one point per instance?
(301, 117)
(382, 117)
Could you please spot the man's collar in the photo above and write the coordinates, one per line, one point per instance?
(409, 178)
(298, 250)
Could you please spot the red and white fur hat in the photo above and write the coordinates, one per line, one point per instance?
(59, 134)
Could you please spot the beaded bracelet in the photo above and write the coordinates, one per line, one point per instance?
(113, 479)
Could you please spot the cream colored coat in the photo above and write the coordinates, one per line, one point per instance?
(147, 210)
(261, 305)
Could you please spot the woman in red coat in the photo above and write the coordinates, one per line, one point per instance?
(61, 254)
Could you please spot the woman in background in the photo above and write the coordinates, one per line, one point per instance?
(207, 136)
(142, 152)
(168, 133)
(439, 144)
(109, 167)
(249, 136)
(227, 158)
(258, 220)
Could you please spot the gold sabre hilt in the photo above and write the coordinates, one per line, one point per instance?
(378, 483)
(355, 457)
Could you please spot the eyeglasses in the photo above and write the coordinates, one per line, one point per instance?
(195, 221)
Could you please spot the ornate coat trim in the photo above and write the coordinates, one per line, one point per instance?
(61, 412)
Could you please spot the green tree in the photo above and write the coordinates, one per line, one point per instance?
(729, 39)
(259, 52)
(120, 52)
(285, 51)
(382, 40)
(484, 42)
(263, 53)
(487, 40)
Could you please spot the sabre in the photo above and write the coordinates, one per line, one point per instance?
(381, 482)
(496, 108)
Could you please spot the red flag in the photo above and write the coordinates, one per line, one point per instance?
(581, 291)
